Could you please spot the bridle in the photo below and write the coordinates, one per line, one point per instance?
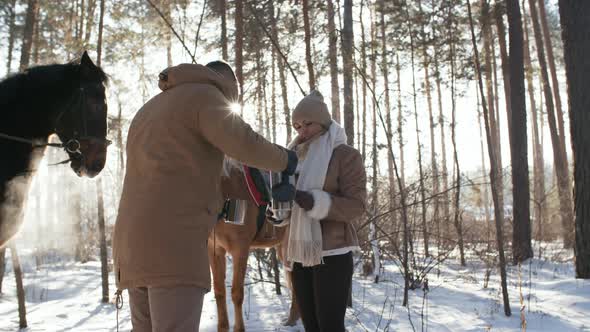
(73, 144)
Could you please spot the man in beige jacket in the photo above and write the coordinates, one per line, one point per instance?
(171, 192)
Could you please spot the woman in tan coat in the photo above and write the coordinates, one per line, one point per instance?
(331, 194)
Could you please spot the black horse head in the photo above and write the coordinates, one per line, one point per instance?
(81, 124)
(64, 99)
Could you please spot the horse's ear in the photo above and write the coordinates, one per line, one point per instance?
(86, 61)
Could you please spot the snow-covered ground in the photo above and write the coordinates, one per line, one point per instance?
(65, 296)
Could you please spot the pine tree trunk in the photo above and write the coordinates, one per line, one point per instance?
(239, 45)
(333, 59)
(559, 157)
(2, 266)
(494, 113)
(11, 35)
(273, 97)
(540, 208)
(36, 45)
(20, 290)
(375, 156)
(103, 242)
(499, 16)
(347, 50)
(223, 9)
(99, 190)
(444, 222)
(456, 200)
(167, 31)
(363, 61)
(484, 176)
(433, 162)
(275, 270)
(307, 29)
(385, 74)
(419, 145)
(80, 27)
(575, 25)
(494, 171)
(521, 238)
(89, 22)
(553, 71)
(29, 27)
(282, 77)
(400, 123)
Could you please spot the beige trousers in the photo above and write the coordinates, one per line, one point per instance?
(171, 309)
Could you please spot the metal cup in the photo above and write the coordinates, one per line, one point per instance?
(280, 210)
(235, 210)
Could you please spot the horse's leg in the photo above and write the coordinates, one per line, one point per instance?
(237, 289)
(293, 310)
(217, 262)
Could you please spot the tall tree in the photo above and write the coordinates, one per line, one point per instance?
(333, 58)
(30, 21)
(427, 87)
(575, 25)
(307, 30)
(539, 197)
(553, 70)
(239, 46)
(559, 157)
(347, 50)
(389, 127)
(99, 186)
(20, 290)
(521, 235)
(11, 34)
(223, 10)
(494, 171)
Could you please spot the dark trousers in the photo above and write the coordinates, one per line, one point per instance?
(322, 293)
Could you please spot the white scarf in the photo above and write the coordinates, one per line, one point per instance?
(305, 235)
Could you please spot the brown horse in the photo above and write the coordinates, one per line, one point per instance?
(237, 241)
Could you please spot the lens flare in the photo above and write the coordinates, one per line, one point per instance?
(235, 108)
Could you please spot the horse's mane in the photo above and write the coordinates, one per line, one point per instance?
(45, 78)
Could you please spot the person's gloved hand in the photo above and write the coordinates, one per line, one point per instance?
(304, 199)
(292, 161)
(283, 192)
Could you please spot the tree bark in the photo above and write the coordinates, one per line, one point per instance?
(494, 113)
(559, 158)
(223, 9)
(385, 74)
(99, 191)
(553, 71)
(540, 208)
(2, 266)
(375, 157)
(521, 238)
(307, 30)
(11, 35)
(89, 22)
(333, 59)
(363, 132)
(493, 173)
(433, 161)
(419, 145)
(444, 171)
(400, 123)
(30, 21)
(239, 46)
(282, 78)
(20, 290)
(347, 50)
(456, 200)
(575, 25)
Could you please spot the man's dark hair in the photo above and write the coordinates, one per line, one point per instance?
(222, 68)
